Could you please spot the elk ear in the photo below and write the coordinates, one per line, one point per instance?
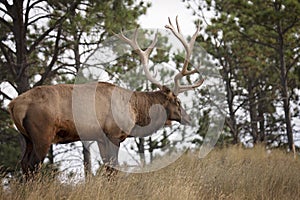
(167, 91)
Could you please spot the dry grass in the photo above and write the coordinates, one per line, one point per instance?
(232, 173)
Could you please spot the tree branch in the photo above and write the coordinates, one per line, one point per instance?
(295, 60)
(53, 60)
(5, 3)
(42, 37)
(5, 95)
(11, 83)
(6, 23)
(247, 37)
(35, 3)
(27, 13)
(296, 19)
(3, 48)
(58, 22)
(5, 11)
(37, 19)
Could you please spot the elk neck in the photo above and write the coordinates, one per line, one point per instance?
(141, 103)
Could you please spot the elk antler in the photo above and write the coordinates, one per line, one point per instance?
(189, 49)
(144, 55)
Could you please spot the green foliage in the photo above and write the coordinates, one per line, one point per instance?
(203, 123)
(244, 36)
(10, 151)
(44, 42)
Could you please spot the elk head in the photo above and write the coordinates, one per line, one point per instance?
(174, 109)
(175, 112)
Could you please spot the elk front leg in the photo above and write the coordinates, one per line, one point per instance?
(109, 150)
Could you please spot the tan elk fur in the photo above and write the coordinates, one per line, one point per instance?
(44, 115)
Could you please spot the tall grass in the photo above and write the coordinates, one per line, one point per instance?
(229, 173)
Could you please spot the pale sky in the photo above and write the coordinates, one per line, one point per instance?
(157, 15)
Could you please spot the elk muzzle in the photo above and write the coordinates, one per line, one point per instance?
(185, 118)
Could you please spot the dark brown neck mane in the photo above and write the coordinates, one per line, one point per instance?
(141, 103)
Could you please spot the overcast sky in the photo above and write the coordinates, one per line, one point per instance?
(157, 15)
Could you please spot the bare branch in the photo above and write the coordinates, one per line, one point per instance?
(6, 23)
(5, 95)
(38, 18)
(53, 60)
(11, 83)
(46, 33)
(51, 28)
(5, 3)
(27, 13)
(247, 37)
(35, 3)
(8, 58)
(5, 11)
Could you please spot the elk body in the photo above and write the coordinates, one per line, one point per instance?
(66, 113)
(44, 115)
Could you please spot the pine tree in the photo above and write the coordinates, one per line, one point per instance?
(256, 43)
(35, 37)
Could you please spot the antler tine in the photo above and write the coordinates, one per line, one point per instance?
(152, 45)
(133, 43)
(177, 24)
(144, 55)
(177, 34)
(189, 87)
(193, 39)
(189, 49)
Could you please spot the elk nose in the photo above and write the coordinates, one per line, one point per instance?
(186, 120)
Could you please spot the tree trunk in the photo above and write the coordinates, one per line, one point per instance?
(151, 149)
(232, 118)
(86, 145)
(86, 158)
(51, 155)
(284, 86)
(253, 113)
(232, 121)
(141, 150)
(19, 31)
(261, 119)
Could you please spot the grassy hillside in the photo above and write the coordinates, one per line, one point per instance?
(232, 173)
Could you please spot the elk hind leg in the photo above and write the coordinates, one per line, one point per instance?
(38, 145)
(27, 151)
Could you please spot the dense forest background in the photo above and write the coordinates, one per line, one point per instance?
(255, 46)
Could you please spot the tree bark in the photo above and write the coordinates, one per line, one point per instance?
(141, 150)
(19, 31)
(285, 99)
(230, 97)
(253, 113)
(284, 86)
(86, 158)
(261, 119)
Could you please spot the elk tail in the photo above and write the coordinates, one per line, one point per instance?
(18, 114)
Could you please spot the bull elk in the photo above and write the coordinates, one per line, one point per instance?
(45, 115)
